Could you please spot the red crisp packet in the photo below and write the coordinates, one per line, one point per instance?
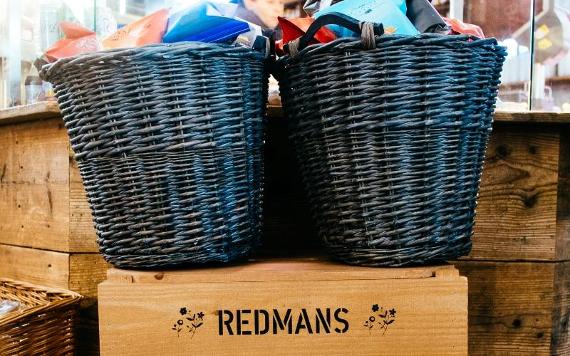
(295, 28)
(459, 27)
(146, 30)
(77, 40)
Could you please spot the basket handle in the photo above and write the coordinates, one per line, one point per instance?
(366, 30)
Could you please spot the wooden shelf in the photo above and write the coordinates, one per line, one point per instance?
(49, 109)
(38, 111)
(533, 117)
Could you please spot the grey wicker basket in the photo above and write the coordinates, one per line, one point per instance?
(168, 139)
(390, 133)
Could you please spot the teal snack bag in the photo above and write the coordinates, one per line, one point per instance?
(390, 13)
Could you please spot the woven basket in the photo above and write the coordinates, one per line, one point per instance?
(44, 323)
(390, 134)
(168, 140)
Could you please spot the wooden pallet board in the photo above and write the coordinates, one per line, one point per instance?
(523, 210)
(245, 310)
(518, 308)
(42, 199)
(79, 272)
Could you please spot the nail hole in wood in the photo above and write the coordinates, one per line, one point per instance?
(530, 201)
(503, 151)
(532, 149)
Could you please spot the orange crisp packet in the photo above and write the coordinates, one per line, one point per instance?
(146, 30)
(77, 40)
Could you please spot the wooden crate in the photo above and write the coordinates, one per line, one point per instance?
(284, 307)
(42, 199)
(523, 211)
(518, 308)
(46, 230)
(79, 272)
(518, 275)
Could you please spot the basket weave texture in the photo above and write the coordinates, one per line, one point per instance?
(391, 141)
(44, 323)
(168, 140)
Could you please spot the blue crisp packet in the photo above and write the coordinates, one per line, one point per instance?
(390, 13)
(206, 21)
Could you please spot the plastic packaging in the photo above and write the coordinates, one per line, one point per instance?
(459, 27)
(425, 17)
(146, 30)
(311, 7)
(390, 13)
(207, 21)
(295, 28)
(77, 40)
(247, 39)
(7, 306)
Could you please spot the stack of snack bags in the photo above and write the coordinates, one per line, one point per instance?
(204, 21)
(402, 17)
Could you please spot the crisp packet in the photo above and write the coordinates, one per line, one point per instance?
(295, 28)
(390, 13)
(459, 27)
(206, 21)
(144, 31)
(247, 39)
(77, 40)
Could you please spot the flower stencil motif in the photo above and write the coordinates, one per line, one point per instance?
(188, 321)
(380, 318)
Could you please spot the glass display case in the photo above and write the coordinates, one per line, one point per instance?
(536, 74)
(536, 33)
(29, 27)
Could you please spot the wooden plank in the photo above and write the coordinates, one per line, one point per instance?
(86, 271)
(517, 307)
(47, 268)
(563, 202)
(275, 111)
(38, 111)
(79, 272)
(50, 109)
(517, 205)
(136, 316)
(34, 185)
(266, 270)
(533, 117)
(82, 235)
(561, 310)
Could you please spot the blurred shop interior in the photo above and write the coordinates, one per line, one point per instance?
(536, 75)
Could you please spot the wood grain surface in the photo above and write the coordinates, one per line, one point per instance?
(137, 312)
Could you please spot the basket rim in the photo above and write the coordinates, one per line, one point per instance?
(71, 298)
(156, 50)
(389, 40)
